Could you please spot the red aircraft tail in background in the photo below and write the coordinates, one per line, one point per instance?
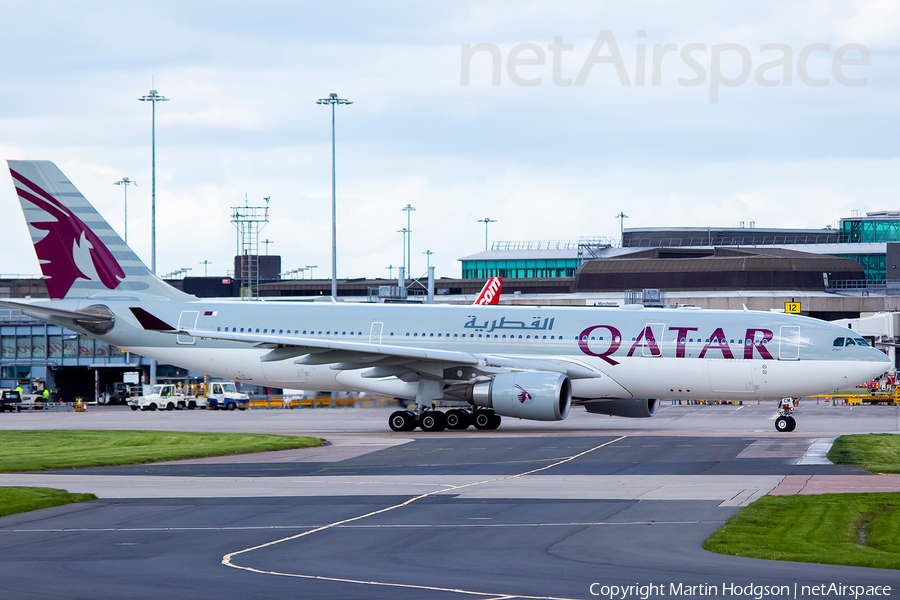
(490, 293)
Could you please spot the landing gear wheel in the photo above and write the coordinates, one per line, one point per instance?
(402, 420)
(495, 422)
(783, 423)
(433, 420)
(484, 419)
(458, 419)
(792, 424)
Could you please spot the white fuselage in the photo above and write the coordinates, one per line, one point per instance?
(649, 353)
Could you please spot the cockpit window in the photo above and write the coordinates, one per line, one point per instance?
(849, 342)
(838, 342)
(861, 342)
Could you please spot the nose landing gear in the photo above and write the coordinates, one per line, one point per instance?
(785, 422)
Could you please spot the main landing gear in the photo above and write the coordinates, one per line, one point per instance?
(785, 422)
(430, 419)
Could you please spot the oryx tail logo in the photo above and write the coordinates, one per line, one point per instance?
(523, 394)
(69, 250)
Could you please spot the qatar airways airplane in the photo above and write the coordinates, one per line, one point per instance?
(514, 361)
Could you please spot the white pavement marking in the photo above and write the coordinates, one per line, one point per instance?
(818, 453)
(227, 559)
(549, 487)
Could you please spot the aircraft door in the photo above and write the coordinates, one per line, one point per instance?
(187, 320)
(375, 332)
(789, 343)
(652, 342)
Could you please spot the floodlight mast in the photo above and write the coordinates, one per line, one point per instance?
(126, 182)
(153, 97)
(408, 209)
(486, 221)
(333, 99)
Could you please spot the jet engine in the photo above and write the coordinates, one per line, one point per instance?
(536, 395)
(631, 407)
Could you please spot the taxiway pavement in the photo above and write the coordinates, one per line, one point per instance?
(530, 510)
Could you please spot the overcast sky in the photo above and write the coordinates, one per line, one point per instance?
(567, 140)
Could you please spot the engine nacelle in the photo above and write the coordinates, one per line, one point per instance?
(635, 408)
(540, 396)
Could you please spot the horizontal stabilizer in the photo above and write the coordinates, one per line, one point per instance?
(75, 315)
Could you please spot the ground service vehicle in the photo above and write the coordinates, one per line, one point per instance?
(224, 395)
(10, 400)
(162, 396)
(119, 393)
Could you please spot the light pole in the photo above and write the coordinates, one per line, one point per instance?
(153, 97)
(408, 209)
(126, 182)
(621, 217)
(404, 231)
(333, 99)
(390, 269)
(206, 264)
(486, 221)
(428, 254)
(267, 241)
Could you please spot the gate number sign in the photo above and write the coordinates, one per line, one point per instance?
(792, 307)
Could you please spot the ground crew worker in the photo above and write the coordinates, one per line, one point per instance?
(45, 395)
(19, 389)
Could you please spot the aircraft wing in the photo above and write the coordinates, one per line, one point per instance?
(360, 354)
(356, 355)
(284, 347)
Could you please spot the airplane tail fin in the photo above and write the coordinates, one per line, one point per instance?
(80, 254)
(490, 293)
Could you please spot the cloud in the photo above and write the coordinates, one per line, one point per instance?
(548, 162)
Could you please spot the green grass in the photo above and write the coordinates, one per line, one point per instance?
(23, 499)
(816, 529)
(877, 452)
(67, 449)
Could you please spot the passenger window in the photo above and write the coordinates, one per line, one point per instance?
(838, 342)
